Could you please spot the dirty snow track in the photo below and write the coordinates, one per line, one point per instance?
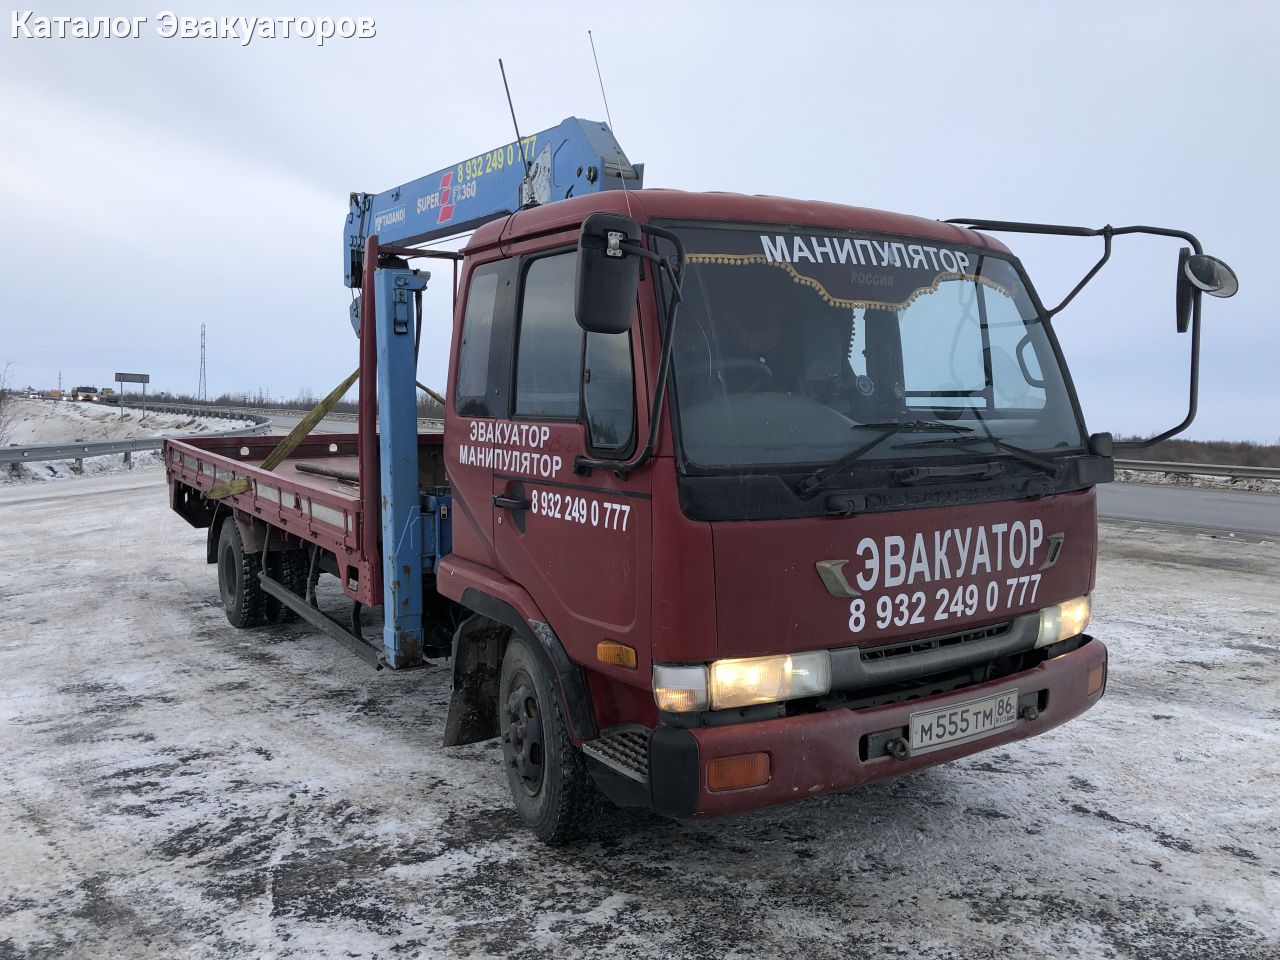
(174, 787)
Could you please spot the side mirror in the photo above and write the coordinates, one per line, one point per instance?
(1211, 275)
(608, 275)
(1200, 273)
(1102, 445)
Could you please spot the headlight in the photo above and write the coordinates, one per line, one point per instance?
(742, 682)
(1063, 621)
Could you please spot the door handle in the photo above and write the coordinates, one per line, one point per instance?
(511, 503)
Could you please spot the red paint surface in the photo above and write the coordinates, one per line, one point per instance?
(818, 753)
(290, 513)
(769, 598)
(677, 204)
(681, 590)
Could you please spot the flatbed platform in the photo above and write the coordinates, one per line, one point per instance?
(312, 496)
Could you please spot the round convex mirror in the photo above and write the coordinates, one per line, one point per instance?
(1211, 275)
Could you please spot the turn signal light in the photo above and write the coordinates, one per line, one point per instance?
(616, 654)
(738, 772)
(680, 689)
(1097, 677)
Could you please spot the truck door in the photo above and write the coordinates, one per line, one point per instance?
(479, 394)
(578, 544)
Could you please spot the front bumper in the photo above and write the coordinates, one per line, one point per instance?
(818, 753)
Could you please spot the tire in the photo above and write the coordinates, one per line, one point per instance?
(289, 567)
(243, 599)
(553, 792)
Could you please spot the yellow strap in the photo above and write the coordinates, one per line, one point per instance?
(430, 393)
(290, 442)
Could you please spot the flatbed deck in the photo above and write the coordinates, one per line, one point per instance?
(323, 508)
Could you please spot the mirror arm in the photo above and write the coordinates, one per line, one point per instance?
(1009, 226)
(1058, 230)
(584, 465)
(1193, 398)
(1106, 255)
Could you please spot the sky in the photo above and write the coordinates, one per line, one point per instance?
(149, 185)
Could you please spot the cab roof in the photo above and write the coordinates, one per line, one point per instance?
(661, 204)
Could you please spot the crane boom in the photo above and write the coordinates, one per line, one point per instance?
(574, 158)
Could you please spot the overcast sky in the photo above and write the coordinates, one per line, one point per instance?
(149, 185)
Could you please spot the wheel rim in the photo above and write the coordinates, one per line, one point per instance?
(523, 740)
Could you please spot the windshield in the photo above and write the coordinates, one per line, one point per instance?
(787, 339)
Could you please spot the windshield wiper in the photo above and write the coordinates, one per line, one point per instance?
(1021, 453)
(815, 481)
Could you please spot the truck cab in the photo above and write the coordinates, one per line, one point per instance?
(733, 623)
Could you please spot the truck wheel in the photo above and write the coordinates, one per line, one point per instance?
(289, 567)
(242, 596)
(553, 792)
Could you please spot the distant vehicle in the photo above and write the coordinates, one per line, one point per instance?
(86, 393)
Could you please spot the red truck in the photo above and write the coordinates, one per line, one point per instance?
(738, 500)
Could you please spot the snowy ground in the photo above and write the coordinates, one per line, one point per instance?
(60, 421)
(174, 787)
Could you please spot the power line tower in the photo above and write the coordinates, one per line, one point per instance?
(202, 393)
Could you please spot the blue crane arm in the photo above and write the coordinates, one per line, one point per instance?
(574, 158)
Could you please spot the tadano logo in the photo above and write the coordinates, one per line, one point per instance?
(388, 217)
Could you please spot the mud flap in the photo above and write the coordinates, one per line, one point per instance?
(477, 655)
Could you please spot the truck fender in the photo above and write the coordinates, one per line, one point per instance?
(256, 535)
(252, 534)
(215, 531)
(575, 695)
(253, 531)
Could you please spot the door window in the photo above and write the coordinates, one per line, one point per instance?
(472, 397)
(564, 374)
(608, 394)
(549, 355)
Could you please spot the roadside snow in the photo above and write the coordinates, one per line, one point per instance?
(173, 787)
(61, 421)
(1200, 480)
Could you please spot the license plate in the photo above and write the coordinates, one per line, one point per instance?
(947, 726)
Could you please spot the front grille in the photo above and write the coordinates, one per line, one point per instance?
(889, 651)
(625, 749)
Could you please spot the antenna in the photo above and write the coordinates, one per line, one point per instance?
(526, 187)
(607, 115)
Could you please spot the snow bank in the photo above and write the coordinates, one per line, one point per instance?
(1202, 480)
(61, 421)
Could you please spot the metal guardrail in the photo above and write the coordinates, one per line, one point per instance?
(1205, 469)
(297, 413)
(293, 413)
(100, 448)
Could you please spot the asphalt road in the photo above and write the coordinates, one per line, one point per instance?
(1227, 510)
(282, 425)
